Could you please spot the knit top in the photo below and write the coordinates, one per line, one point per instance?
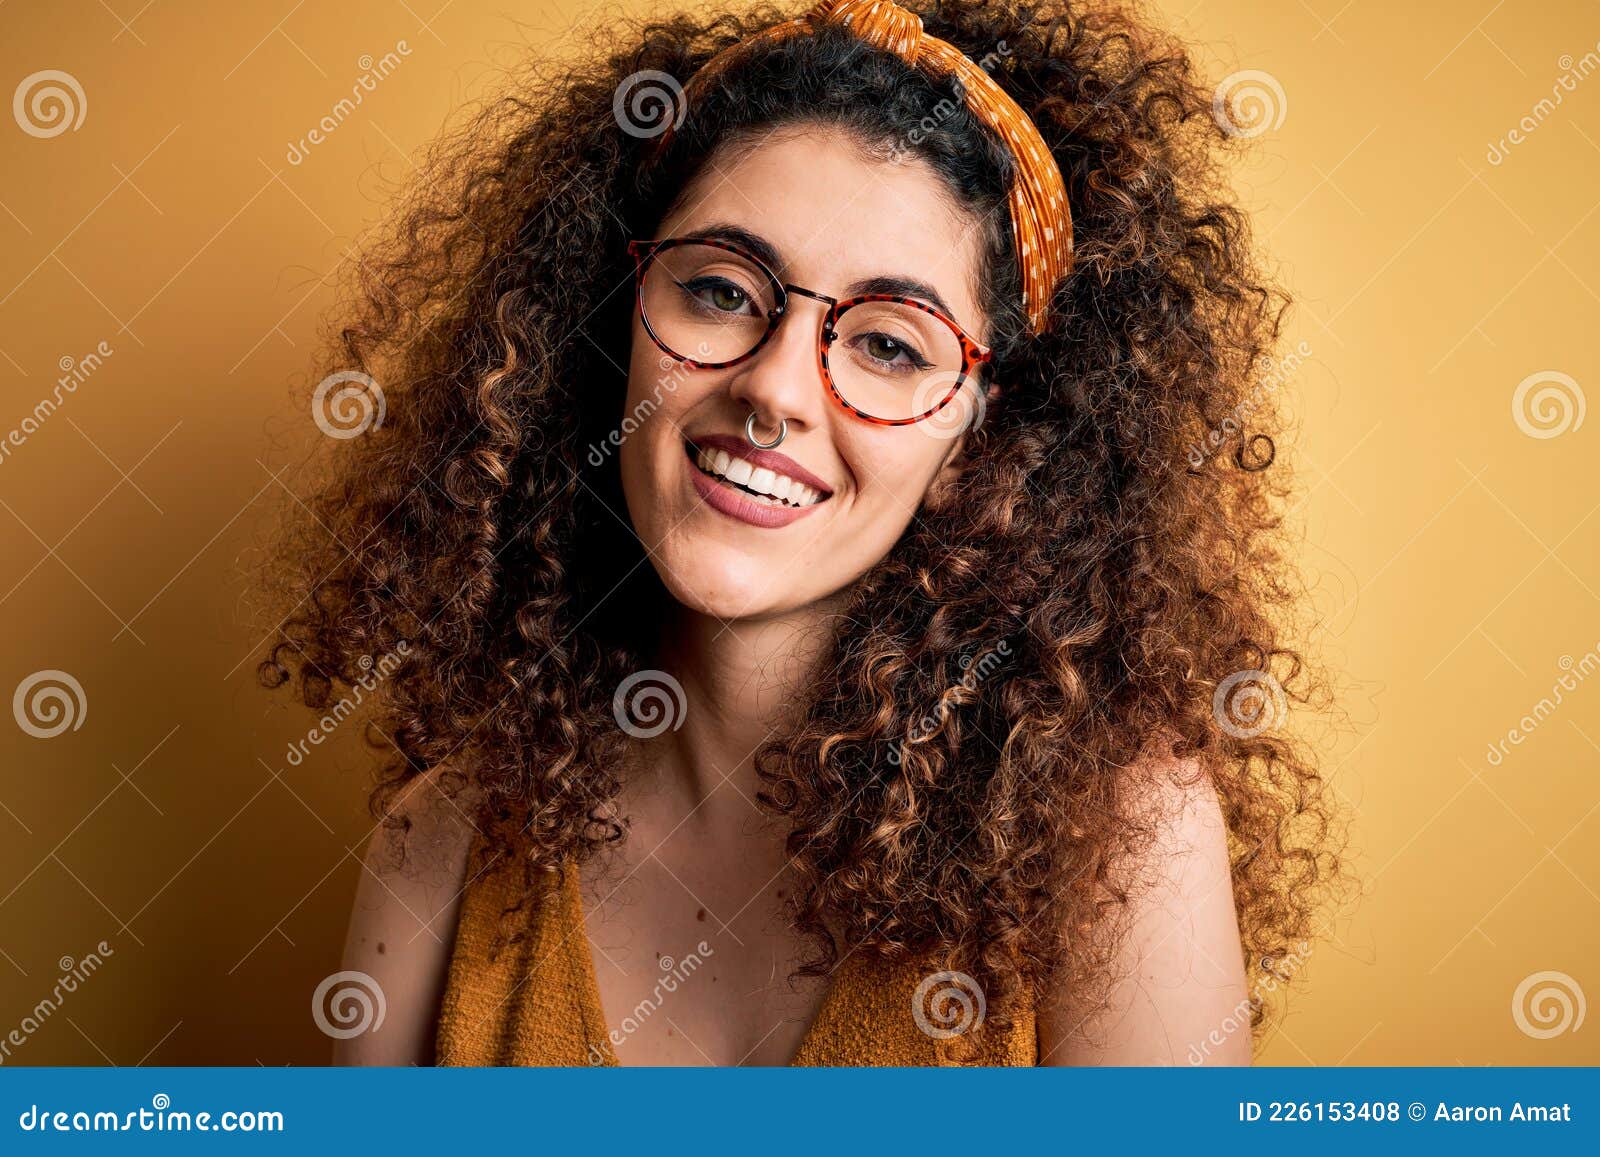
(537, 1001)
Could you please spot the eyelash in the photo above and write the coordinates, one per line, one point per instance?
(917, 362)
(693, 290)
(693, 293)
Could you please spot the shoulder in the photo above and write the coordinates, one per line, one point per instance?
(403, 922)
(1178, 976)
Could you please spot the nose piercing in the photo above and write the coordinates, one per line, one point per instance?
(750, 432)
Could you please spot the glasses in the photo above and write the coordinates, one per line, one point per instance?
(886, 359)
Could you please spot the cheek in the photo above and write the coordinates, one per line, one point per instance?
(646, 425)
(892, 469)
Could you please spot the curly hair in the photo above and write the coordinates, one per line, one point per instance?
(1107, 579)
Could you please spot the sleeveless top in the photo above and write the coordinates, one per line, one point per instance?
(537, 1002)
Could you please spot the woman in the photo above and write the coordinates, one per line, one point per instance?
(831, 615)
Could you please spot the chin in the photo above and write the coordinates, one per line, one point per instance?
(722, 582)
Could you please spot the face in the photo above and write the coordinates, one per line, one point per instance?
(840, 224)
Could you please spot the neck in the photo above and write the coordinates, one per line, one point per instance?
(741, 681)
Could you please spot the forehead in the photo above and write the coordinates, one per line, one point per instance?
(836, 215)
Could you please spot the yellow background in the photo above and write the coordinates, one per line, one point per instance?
(1452, 554)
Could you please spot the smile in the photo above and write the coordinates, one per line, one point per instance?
(756, 481)
(753, 486)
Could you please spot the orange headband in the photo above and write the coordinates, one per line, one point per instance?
(1041, 219)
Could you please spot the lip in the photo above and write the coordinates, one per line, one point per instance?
(771, 459)
(736, 505)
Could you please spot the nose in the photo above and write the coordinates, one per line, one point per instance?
(784, 379)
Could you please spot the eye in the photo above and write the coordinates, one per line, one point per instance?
(880, 347)
(717, 294)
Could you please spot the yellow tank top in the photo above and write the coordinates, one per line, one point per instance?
(538, 1001)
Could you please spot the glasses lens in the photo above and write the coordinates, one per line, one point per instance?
(894, 361)
(705, 303)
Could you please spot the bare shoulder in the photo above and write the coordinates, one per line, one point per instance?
(1179, 976)
(403, 922)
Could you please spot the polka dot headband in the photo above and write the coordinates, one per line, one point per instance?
(1041, 219)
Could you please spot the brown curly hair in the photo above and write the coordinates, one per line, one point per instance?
(939, 800)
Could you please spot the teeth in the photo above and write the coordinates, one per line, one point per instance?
(778, 487)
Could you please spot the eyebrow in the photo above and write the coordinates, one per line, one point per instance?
(769, 255)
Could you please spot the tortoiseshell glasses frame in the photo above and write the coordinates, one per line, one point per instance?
(973, 355)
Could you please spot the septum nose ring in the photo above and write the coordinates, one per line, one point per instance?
(750, 432)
